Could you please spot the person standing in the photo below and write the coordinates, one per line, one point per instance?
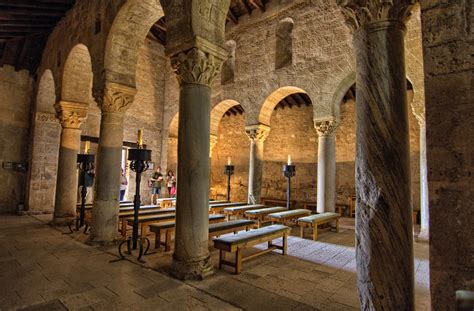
(170, 180)
(123, 185)
(156, 182)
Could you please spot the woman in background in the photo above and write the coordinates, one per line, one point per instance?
(170, 180)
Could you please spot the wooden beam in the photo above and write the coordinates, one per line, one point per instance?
(232, 16)
(12, 12)
(247, 7)
(303, 99)
(258, 4)
(293, 100)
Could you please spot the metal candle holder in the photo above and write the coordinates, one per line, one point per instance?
(140, 159)
(85, 164)
(289, 171)
(229, 171)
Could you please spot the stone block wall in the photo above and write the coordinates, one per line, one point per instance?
(16, 90)
(447, 46)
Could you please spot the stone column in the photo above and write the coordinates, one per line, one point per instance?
(113, 100)
(424, 235)
(326, 196)
(71, 116)
(257, 135)
(195, 70)
(384, 242)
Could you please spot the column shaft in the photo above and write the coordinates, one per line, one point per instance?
(257, 135)
(192, 214)
(107, 185)
(424, 203)
(384, 248)
(66, 186)
(252, 158)
(326, 184)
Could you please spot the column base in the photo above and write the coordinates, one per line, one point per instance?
(192, 269)
(423, 236)
(61, 221)
(101, 243)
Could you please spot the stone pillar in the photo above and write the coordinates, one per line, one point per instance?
(71, 116)
(257, 135)
(384, 242)
(424, 235)
(113, 100)
(326, 196)
(195, 70)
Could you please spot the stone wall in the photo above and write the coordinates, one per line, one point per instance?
(447, 46)
(16, 90)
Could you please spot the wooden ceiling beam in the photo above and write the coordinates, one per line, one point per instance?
(247, 7)
(232, 17)
(303, 99)
(293, 100)
(258, 4)
(12, 12)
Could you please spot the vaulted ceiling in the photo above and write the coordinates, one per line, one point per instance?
(26, 24)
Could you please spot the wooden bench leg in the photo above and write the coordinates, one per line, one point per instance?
(167, 240)
(157, 239)
(337, 225)
(124, 228)
(238, 260)
(315, 232)
(142, 230)
(301, 230)
(221, 258)
(285, 244)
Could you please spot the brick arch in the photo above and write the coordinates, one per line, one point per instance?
(76, 82)
(125, 38)
(218, 112)
(273, 99)
(46, 93)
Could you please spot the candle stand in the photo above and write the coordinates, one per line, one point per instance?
(229, 171)
(85, 164)
(139, 163)
(289, 171)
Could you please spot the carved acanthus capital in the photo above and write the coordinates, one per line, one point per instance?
(114, 97)
(71, 114)
(359, 13)
(326, 128)
(257, 132)
(212, 143)
(196, 67)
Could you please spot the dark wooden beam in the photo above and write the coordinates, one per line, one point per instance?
(304, 99)
(258, 4)
(247, 7)
(12, 12)
(293, 100)
(232, 17)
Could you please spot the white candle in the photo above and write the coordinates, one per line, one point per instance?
(289, 159)
(140, 139)
(228, 161)
(87, 148)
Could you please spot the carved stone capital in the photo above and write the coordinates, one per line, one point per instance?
(360, 13)
(114, 97)
(257, 132)
(326, 128)
(71, 114)
(195, 67)
(212, 143)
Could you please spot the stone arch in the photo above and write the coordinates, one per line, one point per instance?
(77, 76)
(341, 90)
(173, 128)
(218, 112)
(273, 99)
(126, 36)
(46, 94)
(228, 67)
(284, 44)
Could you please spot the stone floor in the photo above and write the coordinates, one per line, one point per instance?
(43, 269)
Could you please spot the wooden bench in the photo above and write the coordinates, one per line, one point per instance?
(215, 229)
(259, 214)
(240, 210)
(238, 242)
(217, 208)
(312, 206)
(313, 221)
(276, 202)
(142, 207)
(147, 220)
(287, 216)
(146, 212)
